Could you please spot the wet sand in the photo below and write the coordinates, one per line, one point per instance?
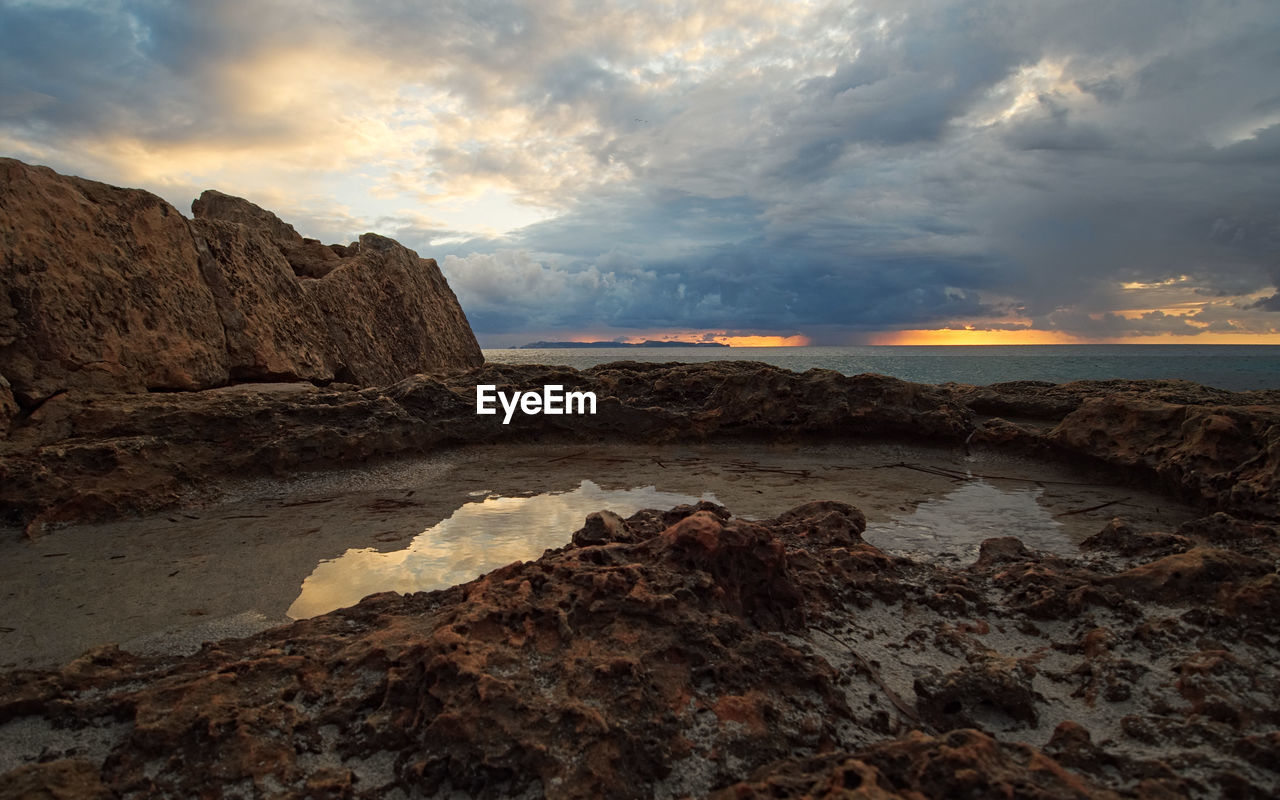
(167, 582)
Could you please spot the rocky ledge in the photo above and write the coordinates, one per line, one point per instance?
(81, 455)
(688, 653)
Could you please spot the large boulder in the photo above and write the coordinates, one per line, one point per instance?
(1228, 455)
(111, 289)
(369, 313)
(102, 290)
(380, 326)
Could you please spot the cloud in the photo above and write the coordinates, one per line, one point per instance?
(813, 167)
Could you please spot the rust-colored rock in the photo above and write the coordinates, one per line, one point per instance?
(1198, 574)
(687, 653)
(1228, 455)
(368, 314)
(1118, 536)
(65, 779)
(273, 330)
(586, 674)
(102, 290)
(306, 257)
(112, 290)
(390, 314)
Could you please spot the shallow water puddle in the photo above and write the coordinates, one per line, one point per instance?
(168, 581)
(953, 526)
(478, 537)
(493, 532)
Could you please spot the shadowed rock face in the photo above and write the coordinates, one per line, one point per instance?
(687, 653)
(112, 290)
(380, 328)
(273, 330)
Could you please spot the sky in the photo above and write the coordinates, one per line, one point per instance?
(743, 171)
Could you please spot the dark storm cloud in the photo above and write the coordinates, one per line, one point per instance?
(1085, 166)
(146, 68)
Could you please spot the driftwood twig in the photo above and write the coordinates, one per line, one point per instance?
(1091, 508)
(961, 476)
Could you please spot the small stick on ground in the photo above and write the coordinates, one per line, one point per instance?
(746, 466)
(958, 476)
(929, 470)
(1091, 508)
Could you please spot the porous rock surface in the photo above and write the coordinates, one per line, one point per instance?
(1219, 447)
(102, 290)
(687, 653)
(368, 313)
(85, 456)
(113, 290)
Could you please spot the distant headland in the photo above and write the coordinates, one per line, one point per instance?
(646, 343)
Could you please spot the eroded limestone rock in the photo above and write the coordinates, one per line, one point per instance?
(112, 290)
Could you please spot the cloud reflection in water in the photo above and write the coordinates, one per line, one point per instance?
(477, 538)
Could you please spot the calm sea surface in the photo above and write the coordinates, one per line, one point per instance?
(1225, 366)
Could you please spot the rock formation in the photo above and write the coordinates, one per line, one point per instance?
(368, 313)
(102, 290)
(112, 290)
(83, 457)
(687, 653)
(379, 329)
(273, 330)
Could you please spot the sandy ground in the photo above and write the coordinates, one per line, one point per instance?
(170, 581)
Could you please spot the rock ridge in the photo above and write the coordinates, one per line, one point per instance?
(112, 290)
(83, 456)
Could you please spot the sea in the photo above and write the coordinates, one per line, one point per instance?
(1234, 367)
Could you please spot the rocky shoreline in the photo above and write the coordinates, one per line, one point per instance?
(687, 653)
(84, 456)
(148, 361)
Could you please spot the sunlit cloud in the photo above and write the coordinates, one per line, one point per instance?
(1137, 285)
(1079, 171)
(973, 336)
(731, 338)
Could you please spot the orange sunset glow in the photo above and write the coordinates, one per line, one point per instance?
(973, 336)
(960, 336)
(733, 340)
(763, 341)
